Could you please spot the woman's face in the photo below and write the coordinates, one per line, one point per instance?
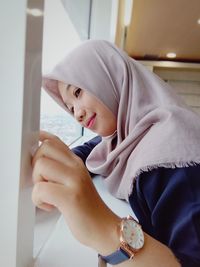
(88, 110)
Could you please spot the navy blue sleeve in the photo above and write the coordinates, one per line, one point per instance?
(84, 150)
(167, 204)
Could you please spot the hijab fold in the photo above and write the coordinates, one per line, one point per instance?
(154, 127)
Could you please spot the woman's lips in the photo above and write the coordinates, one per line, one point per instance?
(91, 121)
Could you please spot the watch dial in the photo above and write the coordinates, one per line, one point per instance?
(133, 234)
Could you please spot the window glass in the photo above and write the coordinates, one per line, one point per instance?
(59, 38)
(57, 121)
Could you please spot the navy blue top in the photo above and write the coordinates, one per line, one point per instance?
(167, 205)
(84, 150)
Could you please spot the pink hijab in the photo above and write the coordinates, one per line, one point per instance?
(154, 127)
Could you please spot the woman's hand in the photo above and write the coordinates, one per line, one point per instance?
(61, 180)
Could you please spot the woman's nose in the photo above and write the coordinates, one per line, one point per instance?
(79, 114)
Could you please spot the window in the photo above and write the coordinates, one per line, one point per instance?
(59, 38)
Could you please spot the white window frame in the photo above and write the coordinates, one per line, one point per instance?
(20, 53)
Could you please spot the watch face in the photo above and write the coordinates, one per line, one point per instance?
(132, 234)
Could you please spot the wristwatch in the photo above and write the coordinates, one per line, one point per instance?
(131, 241)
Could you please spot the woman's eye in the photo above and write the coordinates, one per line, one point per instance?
(77, 92)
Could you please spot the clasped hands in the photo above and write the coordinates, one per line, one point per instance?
(61, 180)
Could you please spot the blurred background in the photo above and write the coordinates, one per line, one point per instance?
(163, 35)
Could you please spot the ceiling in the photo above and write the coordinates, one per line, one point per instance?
(159, 27)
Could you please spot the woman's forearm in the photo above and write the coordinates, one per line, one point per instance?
(61, 180)
(153, 254)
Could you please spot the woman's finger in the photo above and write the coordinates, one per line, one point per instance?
(49, 170)
(54, 149)
(46, 169)
(46, 135)
(48, 195)
(46, 207)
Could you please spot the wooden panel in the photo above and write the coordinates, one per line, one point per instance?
(184, 87)
(159, 27)
(180, 74)
(189, 92)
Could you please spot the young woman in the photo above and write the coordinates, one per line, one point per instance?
(149, 155)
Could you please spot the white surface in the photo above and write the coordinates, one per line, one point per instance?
(19, 67)
(44, 225)
(120, 207)
(59, 35)
(103, 19)
(79, 13)
(62, 250)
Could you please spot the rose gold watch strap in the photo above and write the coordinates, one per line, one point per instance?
(101, 262)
